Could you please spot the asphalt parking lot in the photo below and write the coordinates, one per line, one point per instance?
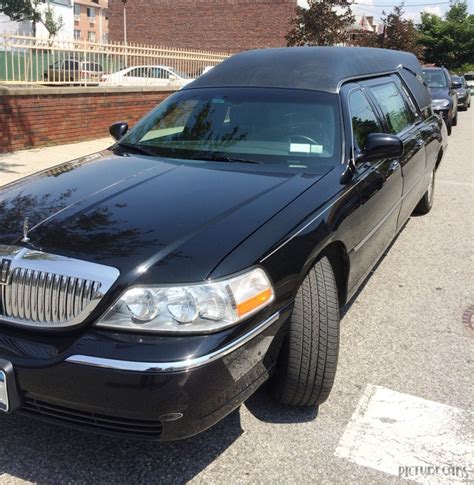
(403, 392)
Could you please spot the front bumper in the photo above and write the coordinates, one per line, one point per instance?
(444, 113)
(160, 400)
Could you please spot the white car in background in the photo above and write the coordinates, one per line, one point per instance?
(162, 76)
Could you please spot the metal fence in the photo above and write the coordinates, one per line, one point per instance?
(30, 60)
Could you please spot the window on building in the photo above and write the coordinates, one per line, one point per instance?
(91, 14)
(77, 12)
(77, 34)
(91, 37)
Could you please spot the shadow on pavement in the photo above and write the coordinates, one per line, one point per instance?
(264, 408)
(48, 454)
(7, 167)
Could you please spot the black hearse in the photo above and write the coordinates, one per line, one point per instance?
(150, 289)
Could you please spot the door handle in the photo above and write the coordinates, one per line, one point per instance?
(394, 166)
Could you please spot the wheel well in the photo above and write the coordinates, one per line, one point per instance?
(337, 254)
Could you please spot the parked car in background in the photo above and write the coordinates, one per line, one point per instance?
(149, 289)
(469, 77)
(161, 76)
(463, 91)
(445, 98)
(74, 71)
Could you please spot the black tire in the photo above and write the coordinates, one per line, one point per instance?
(455, 120)
(449, 126)
(426, 202)
(307, 363)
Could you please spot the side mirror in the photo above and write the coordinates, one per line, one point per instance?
(118, 130)
(381, 146)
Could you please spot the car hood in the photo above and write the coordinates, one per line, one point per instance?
(439, 93)
(139, 213)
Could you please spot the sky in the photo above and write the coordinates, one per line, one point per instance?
(375, 7)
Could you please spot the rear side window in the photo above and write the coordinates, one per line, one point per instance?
(363, 118)
(71, 65)
(158, 73)
(138, 72)
(92, 66)
(393, 107)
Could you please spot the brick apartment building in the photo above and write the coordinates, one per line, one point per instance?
(215, 25)
(91, 20)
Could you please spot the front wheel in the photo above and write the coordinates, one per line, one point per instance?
(449, 126)
(307, 363)
(426, 202)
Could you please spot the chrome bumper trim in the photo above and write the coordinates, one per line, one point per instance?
(180, 365)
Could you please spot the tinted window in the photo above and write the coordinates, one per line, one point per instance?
(159, 73)
(295, 129)
(393, 107)
(138, 72)
(363, 118)
(71, 65)
(92, 66)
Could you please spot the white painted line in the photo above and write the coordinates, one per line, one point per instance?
(410, 437)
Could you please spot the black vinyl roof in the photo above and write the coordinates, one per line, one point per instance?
(315, 68)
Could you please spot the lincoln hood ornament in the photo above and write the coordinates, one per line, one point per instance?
(26, 228)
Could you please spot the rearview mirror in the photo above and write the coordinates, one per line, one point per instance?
(380, 146)
(118, 130)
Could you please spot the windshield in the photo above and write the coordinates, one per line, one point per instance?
(435, 78)
(469, 77)
(296, 129)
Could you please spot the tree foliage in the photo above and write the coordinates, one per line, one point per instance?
(325, 22)
(450, 41)
(33, 11)
(398, 34)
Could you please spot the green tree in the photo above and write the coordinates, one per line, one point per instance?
(325, 22)
(53, 23)
(450, 41)
(398, 34)
(34, 12)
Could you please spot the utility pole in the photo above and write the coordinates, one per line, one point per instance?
(124, 21)
(125, 31)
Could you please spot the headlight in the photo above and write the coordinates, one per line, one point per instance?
(440, 103)
(195, 308)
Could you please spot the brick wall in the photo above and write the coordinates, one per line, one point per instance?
(216, 25)
(34, 120)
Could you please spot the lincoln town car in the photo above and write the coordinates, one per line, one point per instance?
(149, 289)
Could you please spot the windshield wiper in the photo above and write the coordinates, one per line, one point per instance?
(225, 158)
(138, 149)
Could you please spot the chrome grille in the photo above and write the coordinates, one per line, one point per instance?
(45, 297)
(43, 290)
